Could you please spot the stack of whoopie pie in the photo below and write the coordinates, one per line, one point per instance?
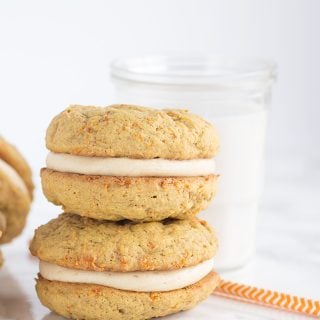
(128, 245)
(16, 190)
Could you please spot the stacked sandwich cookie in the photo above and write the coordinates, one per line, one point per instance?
(128, 245)
(94, 269)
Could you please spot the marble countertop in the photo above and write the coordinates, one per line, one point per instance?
(287, 257)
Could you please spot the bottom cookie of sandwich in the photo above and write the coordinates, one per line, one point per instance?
(96, 302)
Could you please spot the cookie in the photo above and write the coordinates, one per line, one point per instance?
(131, 131)
(2, 223)
(77, 242)
(130, 162)
(95, 302)
(134, 198)
(14, 158)
(91, 269)
(14, 201)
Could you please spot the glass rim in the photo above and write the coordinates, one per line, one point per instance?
(193, 69)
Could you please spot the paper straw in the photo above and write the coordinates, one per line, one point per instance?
(268, 298)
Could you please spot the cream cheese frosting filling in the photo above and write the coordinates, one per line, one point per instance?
(129, 167)
(142, 281)
(13, 176)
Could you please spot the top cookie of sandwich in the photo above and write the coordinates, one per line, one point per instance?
(10, 155)
(131, 131)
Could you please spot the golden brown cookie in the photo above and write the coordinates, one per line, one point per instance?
(83, 243)
(14, 201)
(131, 131)
(14, 158)
(95, 302)
(2, 223)
(134, 198)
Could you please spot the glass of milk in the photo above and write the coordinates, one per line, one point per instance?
(234, 94)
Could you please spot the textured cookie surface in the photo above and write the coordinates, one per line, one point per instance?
(83, 243)
(131, 131)
(94, 302)
(14, 205)
(14, 158)
(133, 198)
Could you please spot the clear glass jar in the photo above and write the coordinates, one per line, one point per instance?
(234, 94)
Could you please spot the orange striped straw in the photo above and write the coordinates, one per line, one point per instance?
(268, 298)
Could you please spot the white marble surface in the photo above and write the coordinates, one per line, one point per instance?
(287, 256)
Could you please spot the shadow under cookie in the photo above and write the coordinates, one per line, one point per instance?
(13, 302)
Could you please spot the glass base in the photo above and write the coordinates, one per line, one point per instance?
(235, 225)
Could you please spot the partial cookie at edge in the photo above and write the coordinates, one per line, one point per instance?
(133, 198)
(14, 158)
(131, 131)
(2, 223)
(94, 302)
(14, 205)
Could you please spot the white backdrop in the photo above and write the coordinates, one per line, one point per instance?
(53, 53)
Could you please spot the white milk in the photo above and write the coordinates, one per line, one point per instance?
(234, 96)
(240, 163)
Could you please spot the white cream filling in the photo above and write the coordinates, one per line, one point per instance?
(143, 281)
(129, 167)
(13, 176)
